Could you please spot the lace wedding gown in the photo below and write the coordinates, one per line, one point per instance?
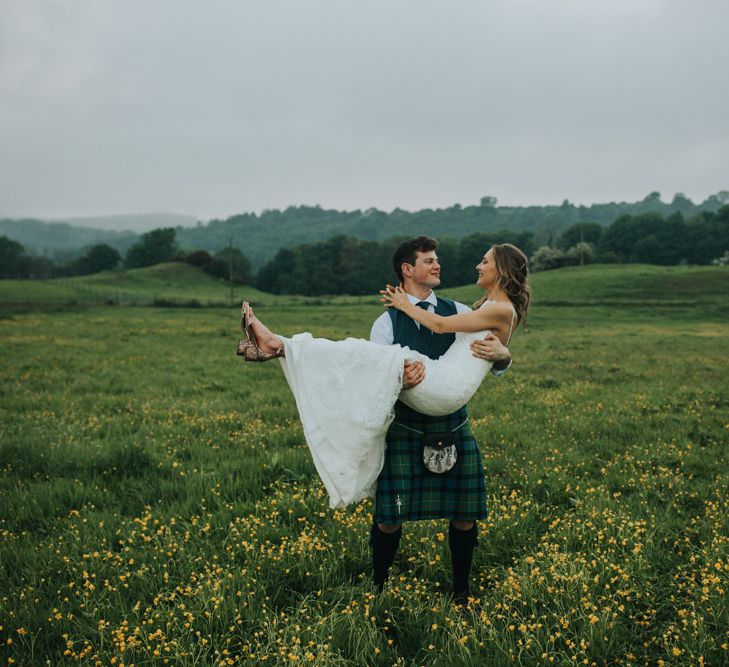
(346, 390)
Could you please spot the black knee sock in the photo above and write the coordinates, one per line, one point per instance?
(384, 547)
(462, 543)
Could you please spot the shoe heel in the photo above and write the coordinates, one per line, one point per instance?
(251, 352)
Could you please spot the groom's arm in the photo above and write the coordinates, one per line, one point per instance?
(490, 348)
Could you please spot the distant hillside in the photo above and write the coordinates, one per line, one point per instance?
(60, 240)
(260, 236)
(138, 223)
(63, 239)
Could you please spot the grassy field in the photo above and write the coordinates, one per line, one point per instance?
(158, 504)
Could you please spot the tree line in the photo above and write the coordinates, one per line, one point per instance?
(154, 247)
(348, 265)
(649, 238)
(260, 236)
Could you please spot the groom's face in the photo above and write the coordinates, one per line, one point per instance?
(425, 271)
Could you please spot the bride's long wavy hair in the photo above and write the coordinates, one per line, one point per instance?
(513, 274)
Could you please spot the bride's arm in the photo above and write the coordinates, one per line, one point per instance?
(493, 316)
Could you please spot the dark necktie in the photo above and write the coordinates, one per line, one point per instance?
(424, 305)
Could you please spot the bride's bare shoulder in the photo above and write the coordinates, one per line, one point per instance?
(496, 313)
(498, 308)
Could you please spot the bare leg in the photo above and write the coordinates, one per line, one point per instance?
(268, 341)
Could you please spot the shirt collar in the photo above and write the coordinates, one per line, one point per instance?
(428, 299)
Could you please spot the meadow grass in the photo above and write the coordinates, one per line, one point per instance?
(159, 505)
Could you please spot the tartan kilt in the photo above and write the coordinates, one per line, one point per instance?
(407, 491)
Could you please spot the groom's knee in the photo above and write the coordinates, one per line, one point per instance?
(462, 525)
(389, 528)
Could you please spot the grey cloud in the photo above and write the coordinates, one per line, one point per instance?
(216, 108)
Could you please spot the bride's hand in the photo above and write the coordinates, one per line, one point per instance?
(394, 297)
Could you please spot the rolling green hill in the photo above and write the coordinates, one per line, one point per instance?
(613, 285)
(173, 282)
(601, 284)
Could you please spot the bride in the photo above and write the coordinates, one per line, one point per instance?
(345, 390)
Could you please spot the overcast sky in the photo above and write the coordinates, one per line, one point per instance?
(213, 108)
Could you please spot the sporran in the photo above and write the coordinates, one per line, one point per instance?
(439, 451)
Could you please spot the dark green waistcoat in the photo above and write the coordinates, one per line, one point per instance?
(407, 333)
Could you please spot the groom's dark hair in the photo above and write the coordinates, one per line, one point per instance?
(407, 252)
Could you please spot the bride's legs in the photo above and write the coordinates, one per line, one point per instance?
(267, 341)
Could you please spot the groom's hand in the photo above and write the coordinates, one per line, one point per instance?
(491, 348)
(413, 374)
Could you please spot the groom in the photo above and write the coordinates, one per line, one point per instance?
(406, 490)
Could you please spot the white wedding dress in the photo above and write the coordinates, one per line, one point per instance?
(346, 390)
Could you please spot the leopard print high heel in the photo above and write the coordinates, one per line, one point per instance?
(248, 348)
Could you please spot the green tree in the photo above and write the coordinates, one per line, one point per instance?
(317, 269)
(364, 266)
(101, 257)
(550, 227)
(198, 258)
(582, 232)
(153, 248)
(240, 264)
(41, 267)
(717, 200)
(274, 275)
(707, 236)
(13, 260)
(682, 203)
(648, 237)
(672, 237)
(626, 231)
(646, 250)
(581, 253)
(546, 258)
